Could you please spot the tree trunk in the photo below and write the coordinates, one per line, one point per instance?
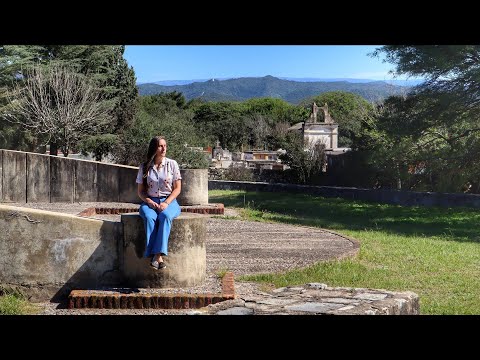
(65, 151)
(399, 179)
(53, 149)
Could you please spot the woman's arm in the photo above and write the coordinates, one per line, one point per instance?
(177, 188)
(143, 195)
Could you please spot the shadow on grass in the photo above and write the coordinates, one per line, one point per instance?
(339, 214)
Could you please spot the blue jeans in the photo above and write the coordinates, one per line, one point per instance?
(158, 225)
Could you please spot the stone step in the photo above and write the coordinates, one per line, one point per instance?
(135, 299)
(207, 209)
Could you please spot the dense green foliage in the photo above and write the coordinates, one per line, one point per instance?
(246, 125)
(161, 115)
(306, 166)
(276, 110)
(432, 136)
(351, 112)
(98, 145)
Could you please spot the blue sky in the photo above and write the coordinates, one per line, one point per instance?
(187, 62)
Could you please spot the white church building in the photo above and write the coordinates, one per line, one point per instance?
(325, 130)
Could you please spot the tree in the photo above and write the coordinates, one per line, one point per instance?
(114, 79)
(307, 165)
(104, 65)
(392, 143)
(259, 132)
(98, 145)
(245, 124)
(58, 103)
(160, 115)
(12, 60)
(276, 110)
(225, 121)
(278, 135)
(441, 115)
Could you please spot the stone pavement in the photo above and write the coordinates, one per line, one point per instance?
(308, 299)
(319, 299)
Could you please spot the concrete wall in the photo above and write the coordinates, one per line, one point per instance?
(85, 181)
(30, 177)
(62, 176)
(406, 198)
(38, 178)
(46, 254)
(187, 256)
(1, 175)
(14, 178)
(194, 187)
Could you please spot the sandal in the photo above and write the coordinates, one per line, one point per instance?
(158, 265)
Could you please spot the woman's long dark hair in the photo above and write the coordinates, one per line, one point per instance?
(152, 150)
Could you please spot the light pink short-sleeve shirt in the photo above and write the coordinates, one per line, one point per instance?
(160, 183)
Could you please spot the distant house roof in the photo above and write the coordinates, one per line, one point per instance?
(337, 151)
(260, 152)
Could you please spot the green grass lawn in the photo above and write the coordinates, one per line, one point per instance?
(434, 252)
(12, 304)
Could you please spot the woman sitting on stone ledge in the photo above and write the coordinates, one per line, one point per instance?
(159, 183)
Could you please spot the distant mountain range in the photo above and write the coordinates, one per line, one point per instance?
(412, 82)
(289, 89)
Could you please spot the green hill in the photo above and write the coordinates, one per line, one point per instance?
(255, 87)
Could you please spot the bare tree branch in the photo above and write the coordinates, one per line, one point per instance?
(60, 103)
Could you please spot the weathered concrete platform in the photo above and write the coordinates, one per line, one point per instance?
(246, 247)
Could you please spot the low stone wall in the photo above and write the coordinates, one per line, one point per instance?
(405, 198)
(30, 177)
(46, 254)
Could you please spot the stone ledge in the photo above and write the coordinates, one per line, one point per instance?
(307, 299)
(208, 209)
(133, 299)
(320, 299)
(228, 286)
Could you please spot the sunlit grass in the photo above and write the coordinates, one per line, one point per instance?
(222, 272)
(11, 304)
(434, 252)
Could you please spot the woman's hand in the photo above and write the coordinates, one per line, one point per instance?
(151, 204)
(162, 206)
